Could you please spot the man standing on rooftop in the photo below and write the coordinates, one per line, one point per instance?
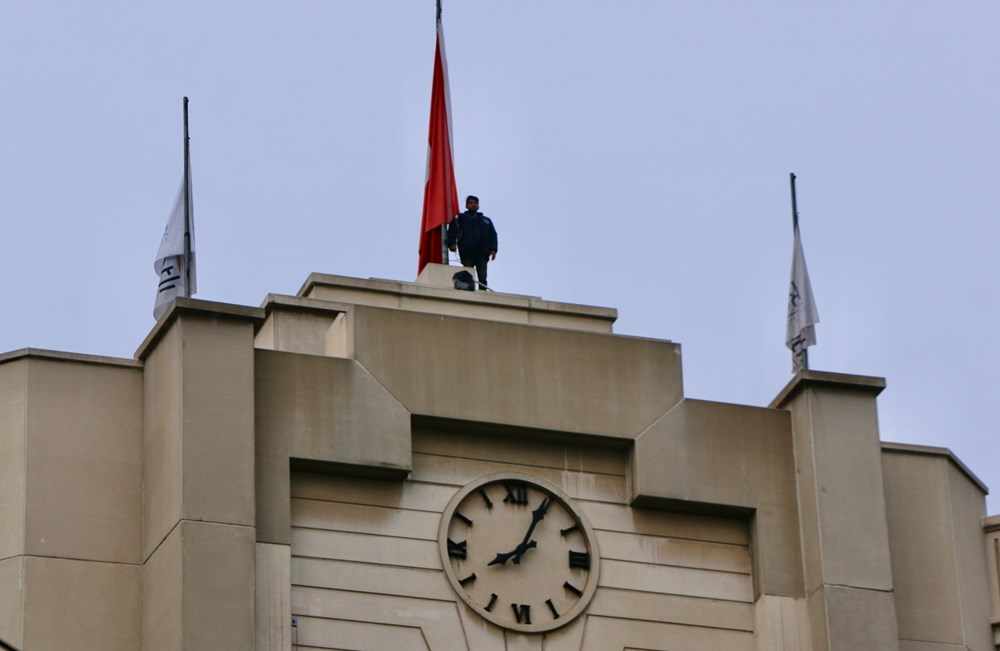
(473, 235)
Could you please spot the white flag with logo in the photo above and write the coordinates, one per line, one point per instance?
(170, 263)
(802, 314)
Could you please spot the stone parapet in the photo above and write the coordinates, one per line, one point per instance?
(431, 298)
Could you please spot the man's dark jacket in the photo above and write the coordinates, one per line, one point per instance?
(473, 232)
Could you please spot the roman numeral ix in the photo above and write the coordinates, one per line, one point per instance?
(457, 549)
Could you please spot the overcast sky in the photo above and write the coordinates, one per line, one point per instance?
(632, 154)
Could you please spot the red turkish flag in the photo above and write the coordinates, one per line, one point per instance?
(440, 195)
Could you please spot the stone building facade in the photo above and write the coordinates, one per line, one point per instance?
(374, 464)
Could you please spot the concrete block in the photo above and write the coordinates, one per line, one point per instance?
(923, 552)
(296, 325)
(198, 589)
(508, 374)
(218, 396)
(81, 605)
(713, 456)
(83, 461)
(848, 467)
(940, 564)
(968, 508)
(13, 395)
(162, 596)
(991, 527)
(839, 465)
(440, 275)
(274, 597)
(11, 600)
(219, 606)
(162, 449)
(198, 424)
(860, 619)
(324, 411)
(781, 624)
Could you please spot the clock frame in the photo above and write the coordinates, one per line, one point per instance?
(519, 552)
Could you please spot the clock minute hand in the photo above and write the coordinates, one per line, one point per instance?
(536, 517)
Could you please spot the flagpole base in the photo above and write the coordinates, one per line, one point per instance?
(441, 275)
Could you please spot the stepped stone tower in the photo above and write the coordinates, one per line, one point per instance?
(374, 464)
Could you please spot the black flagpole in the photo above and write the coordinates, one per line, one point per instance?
(795, 230)
(187, 203)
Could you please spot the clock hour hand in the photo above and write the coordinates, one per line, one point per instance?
(502, 558)
(526, 542)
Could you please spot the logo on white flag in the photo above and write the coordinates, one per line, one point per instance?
(802, 314)
(170, 264)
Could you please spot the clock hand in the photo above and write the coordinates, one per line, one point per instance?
(502, 558)
(526, 542)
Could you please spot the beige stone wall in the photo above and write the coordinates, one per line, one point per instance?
(70, 501)
(715, 456)
(939, 562)
(542, 378)
(13, 435)
(198, 492)
(842, 511)
(366, 564)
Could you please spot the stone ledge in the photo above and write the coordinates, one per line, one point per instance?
(604, 384)
(931, 451)
(493, 298)
(197, 306)
(273, 301)
(806, 378)
(59, 356)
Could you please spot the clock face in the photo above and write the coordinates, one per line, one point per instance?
(519, 552)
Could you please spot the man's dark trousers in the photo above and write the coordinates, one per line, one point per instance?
(477, 260)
